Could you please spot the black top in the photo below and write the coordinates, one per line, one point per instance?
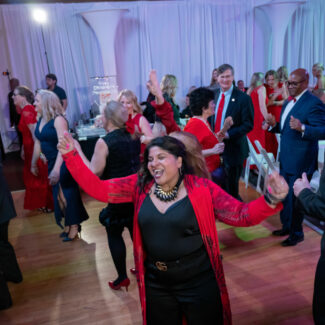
(60, 92)
(171, 235)
(124, 154)
(7, 208)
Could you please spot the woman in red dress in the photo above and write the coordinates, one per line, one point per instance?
(129, 100)
(276, 93)
(202, 106)
(174, 216)
(257, 92)
(38, 193)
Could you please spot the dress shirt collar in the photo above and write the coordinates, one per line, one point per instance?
(228, 92)
(298, 97)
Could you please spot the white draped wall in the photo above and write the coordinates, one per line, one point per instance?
(185, 38)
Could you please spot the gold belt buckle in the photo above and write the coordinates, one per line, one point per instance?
(161, 266)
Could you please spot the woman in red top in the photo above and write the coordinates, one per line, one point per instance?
(38, 193)
(276, 94)
(257, 92)
(129, 100)
(202, 105)
(170, 202)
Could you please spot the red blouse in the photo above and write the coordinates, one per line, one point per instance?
(206, 138)
(209, 202)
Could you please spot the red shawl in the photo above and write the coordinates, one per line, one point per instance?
(209, 202)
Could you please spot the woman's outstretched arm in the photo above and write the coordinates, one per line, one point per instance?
(117, 190)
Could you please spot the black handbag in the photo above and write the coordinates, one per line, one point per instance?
(8, 263)
(5, 298)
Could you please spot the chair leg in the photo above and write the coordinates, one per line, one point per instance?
(247, 167)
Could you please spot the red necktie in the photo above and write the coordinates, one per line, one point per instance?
(290, 98)
(217, 126)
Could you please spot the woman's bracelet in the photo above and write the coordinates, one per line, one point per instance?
(271, 199)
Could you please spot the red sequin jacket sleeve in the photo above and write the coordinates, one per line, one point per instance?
(233, 212)
(166, 115)
(115, 190)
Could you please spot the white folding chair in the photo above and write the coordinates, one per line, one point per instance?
(278, 138)
(258, 160)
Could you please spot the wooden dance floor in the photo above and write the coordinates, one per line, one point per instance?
(66, 283)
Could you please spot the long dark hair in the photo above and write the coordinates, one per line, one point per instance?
(169, 144)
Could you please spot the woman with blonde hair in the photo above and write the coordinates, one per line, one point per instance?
(194, 153)
(38, 193)
(168, 87)
(318, 69)
(67, 200)
(116, 155)
(130, 101)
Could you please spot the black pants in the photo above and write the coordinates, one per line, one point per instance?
(117, 246)
(233, 174)
(292, 214)
(319, 293)
(4, 232)
(200, 303)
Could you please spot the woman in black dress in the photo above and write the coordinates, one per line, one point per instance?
(116, 155)
(66, 194)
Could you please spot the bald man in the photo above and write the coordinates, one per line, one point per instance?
(299, 151)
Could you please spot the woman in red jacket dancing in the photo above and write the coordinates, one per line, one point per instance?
(176, 250)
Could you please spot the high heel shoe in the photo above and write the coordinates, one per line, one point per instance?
(63, 234)
(67, 238)
(116, 286)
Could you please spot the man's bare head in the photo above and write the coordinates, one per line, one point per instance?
(298, 82)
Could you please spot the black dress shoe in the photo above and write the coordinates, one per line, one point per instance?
(280, 232)
(292, 241)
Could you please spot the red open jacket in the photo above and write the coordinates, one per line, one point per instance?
(209, 202)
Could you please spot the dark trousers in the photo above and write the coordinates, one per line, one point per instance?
(199, 303)
(233, 174)
(319, 293)
(117, 247)
(4, 232)
(292, 214)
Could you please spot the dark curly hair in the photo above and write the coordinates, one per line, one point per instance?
(199, 99)
(169, 144)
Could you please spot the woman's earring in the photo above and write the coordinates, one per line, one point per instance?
(180, 171)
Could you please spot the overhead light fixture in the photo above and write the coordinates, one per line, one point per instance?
(40, 15)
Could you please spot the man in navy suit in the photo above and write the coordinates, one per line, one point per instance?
(299, 149)
(230, 101)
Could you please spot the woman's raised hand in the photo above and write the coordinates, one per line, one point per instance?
(154, 87)
(66, 143)
(277, 186)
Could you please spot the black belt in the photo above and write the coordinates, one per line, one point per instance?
(164, 266)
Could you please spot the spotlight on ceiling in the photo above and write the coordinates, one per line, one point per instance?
(40, 16)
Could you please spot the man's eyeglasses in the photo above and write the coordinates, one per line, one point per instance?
(294, 83)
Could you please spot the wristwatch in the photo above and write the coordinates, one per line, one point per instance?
(303, 128)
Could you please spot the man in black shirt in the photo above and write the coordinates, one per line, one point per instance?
(51, 82)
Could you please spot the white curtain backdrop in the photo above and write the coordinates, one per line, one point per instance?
(305, 38)
(185, 38)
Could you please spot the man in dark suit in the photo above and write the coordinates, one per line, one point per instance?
(230, 101)
(299, 151)
(313, 204)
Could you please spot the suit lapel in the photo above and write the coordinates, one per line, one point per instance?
(232, 102)
(299, 105)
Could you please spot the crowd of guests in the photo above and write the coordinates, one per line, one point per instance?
(168, 182)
